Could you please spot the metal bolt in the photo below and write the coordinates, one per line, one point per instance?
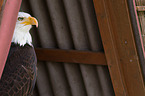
(131, 60)
(125, 42)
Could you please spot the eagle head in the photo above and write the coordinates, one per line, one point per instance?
(24, 23)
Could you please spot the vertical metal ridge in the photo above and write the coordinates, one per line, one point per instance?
(75, 79)
(43, 80)
(105, 81)
(76, 21)
(46, 32)
(91, 25)
(60, 24)
(91, 80)
(58, 79)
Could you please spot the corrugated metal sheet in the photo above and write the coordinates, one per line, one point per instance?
(68, 24)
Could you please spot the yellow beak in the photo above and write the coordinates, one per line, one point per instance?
(30, 21)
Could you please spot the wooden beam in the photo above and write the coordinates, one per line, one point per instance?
(70, 56)
(119, 45)
(8, 21)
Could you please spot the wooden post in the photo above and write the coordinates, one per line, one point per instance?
(8, 22)
(119, 45)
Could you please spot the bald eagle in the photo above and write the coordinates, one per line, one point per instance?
(19, 76)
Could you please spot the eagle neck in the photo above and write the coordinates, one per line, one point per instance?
(22, 36)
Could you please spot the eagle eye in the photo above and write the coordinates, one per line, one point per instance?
(21, 18)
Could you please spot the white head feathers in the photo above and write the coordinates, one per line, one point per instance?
(24, 23)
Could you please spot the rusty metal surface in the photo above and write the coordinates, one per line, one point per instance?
(68, 24)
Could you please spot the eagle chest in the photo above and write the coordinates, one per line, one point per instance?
(20, 71)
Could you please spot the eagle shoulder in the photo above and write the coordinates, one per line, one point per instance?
(19, 74)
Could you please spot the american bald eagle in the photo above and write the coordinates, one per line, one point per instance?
(19, 76)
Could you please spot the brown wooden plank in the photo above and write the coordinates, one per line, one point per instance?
(119, 45)
(70, 56)
(109, 47)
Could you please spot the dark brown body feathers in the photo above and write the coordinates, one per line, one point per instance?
(19, 74)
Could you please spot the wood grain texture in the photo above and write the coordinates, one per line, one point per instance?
(119, 45)
(70, 56)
